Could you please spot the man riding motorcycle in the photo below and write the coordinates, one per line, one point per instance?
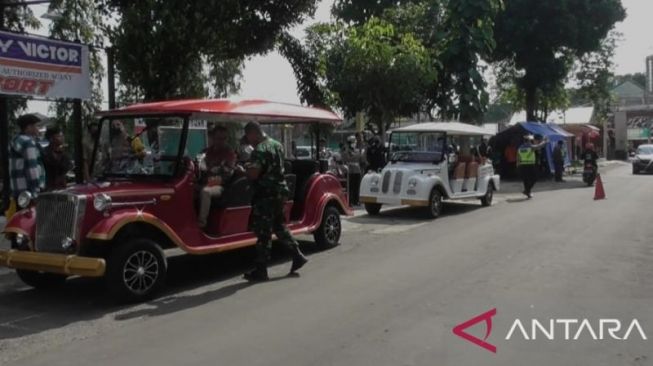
(590, 158)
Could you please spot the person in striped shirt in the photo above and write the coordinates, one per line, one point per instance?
(25, 160)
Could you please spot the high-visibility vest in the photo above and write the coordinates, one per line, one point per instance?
(525, 155)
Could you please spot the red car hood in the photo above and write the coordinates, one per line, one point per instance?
(122, 189)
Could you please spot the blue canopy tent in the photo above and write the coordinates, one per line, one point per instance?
(554, 133)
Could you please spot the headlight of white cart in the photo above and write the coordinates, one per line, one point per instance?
(412, 182)
(375, 181)
(24, 199)
(102, 202)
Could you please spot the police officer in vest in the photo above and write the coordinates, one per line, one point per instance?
(527, 162)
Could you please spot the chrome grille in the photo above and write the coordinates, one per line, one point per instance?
(386, 182)
(57, 217)
(399, 176)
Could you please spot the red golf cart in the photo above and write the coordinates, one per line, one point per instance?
(144, 198)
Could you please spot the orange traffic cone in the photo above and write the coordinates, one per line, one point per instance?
(599, 192)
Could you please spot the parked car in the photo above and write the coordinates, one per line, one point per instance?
(429, 163)
(118, 226)
(643, 159)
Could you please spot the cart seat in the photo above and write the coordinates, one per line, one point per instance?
(471, 176)
(236, 194)
(458, 178)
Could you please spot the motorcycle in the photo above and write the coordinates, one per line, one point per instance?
(589, 174)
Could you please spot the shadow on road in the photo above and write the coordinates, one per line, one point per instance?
(25, 311)
(404, 215)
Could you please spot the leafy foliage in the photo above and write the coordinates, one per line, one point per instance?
(81, 21)
(540, 40)
(453, 36)
(177, 48)
(375, 69)
(360, 11)
(595, 77)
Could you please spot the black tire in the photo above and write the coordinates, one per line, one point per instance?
(41, 280)
(328, 234)
(136, 270)
(434, 210)
(373, 209)
(486, 200)
(635, 170)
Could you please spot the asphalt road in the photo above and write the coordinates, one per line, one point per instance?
(389, 295)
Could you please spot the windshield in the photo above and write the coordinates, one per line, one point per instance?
(144, 146)
(645, 150)
(417, 146)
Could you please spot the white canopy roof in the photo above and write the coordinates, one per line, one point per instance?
(576, 115)
(454, 128)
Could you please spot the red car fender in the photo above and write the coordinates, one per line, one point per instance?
(328, 199)
(324, 190)
(107, 229)
(23, 222)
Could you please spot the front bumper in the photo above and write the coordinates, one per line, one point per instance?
(394, 201)
(643, 166)
(72, 265)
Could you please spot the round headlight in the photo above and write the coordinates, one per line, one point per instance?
(24, 199)
(102, 202)
(412, 183)
(375, 181)
(67, 243)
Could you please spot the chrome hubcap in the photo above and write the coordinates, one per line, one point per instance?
(140, 272)
(332, 228)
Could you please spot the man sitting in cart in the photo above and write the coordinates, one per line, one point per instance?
(220, 166)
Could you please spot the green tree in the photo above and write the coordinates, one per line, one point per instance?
(374, 69)
(457, 35)
(176, 48)
(80, 20)
(542, 39)
(360, 11)
(595, 77)
(467, 37)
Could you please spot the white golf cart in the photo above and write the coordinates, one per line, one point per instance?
(430, 162)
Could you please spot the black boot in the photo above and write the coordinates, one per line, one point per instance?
(258, 274)
(298, 259)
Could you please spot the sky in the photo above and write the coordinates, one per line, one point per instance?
(271, 77)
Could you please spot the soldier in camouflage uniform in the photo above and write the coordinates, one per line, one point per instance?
(265, 170)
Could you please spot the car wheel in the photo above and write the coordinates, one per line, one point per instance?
(489, 195)
(136, 270)
(435, 204)
(41, 280)
(635, 171)
(328, 234)
(373, 208)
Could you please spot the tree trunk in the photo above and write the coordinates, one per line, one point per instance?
(530, 105)
(386, 119)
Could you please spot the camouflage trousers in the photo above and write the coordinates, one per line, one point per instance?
(267, 218)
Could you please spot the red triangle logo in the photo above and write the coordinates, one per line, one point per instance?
(459, 330)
